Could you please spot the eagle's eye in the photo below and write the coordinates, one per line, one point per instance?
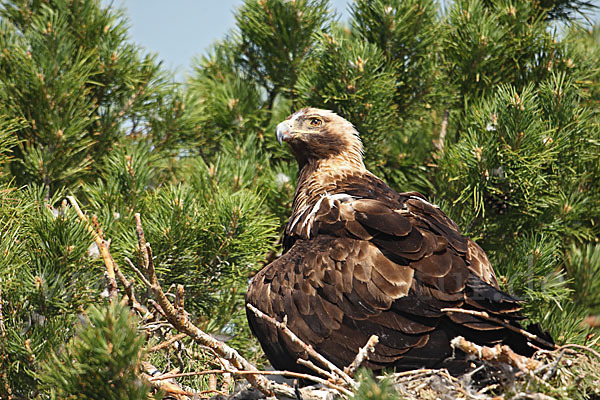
(315, 122)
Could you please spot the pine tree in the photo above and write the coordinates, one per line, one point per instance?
(490, 108)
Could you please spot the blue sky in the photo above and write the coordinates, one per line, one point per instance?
(179, 30)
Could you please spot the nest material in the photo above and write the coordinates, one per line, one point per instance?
(570, 372)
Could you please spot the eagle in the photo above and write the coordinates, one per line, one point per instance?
(360, 259)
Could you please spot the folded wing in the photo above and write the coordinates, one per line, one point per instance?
(358, 267)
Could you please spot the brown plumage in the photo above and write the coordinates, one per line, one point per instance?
(360, 259)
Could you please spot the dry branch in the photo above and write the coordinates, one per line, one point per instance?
(309, 349)
(167, 343)
(289, 374)
(309, 364)
(166, 385)
(180, 322)
(141, 240)
(439, 143)
(498, 353)
(109, 262)
(362, 355)
(486, 316)
(128, 286)
(580, 347)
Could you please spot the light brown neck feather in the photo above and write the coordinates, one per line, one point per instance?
(323, 176)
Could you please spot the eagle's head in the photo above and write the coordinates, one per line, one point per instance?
(315, 135)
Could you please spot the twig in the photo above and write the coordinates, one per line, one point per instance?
(128, 286)
(362, 355)
(139, 273)
(501, 353)
(317, 369)
(166, 343)
(551, 367)
(578, 346)
(227, 380)
(166, 385)
(439, 144)
(529, 396)
(157, 307)
(128, 104)
(180, 301)
(109, 262)
(141, 240)
(309, 349)
(485, 315)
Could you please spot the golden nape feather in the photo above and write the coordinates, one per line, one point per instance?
(360, 259)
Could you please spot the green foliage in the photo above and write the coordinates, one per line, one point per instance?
(276, 37)
(68, 70)
(490, 107)
(583, 264)
(351, 78)
(407, 34)
(524, 185)
(102, 361)
(46, 278)
(206, 244)
(371, 389)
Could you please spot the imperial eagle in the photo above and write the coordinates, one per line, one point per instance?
(360, 259)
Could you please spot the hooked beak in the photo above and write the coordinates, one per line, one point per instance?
(284, 132)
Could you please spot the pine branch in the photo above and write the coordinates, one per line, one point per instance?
(109, 262)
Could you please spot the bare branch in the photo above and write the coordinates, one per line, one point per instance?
(485, 315)
(309, 349)
(499, 353)
(318, 370)
(578, 346)
(180, 300)
(362, 355)
(246, 373)
(128, 285)
(166, 385)
(167, 342)
(439, 144)
(109, 262)
(180, 322)
(139, 273)
(141, 240)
